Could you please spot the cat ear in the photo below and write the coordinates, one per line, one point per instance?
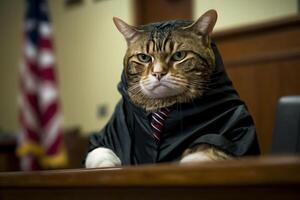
(205, 24)
(129, 32)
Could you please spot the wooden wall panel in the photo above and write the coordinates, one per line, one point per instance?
(147, 11)
(261, 86)
(263, 62)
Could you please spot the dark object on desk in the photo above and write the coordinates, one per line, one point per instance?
(286, 135)
(8, 158)
(76, 144)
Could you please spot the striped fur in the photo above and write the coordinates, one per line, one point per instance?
(182, 81)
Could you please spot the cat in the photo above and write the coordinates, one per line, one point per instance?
(166, 63)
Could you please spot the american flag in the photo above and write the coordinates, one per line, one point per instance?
(40, 140)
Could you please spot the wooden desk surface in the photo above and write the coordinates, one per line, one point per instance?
(261, 178)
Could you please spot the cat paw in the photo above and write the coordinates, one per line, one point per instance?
(195, 157)
(102, 157)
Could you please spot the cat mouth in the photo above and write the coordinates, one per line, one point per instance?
(161, 85)
(161, 90)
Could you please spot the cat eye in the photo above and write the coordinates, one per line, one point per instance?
(179, 55)
(144, 58)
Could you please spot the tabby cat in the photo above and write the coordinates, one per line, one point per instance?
(164, 66)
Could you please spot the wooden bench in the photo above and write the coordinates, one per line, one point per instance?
(250, 178)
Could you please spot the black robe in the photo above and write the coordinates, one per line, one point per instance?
(218, 118)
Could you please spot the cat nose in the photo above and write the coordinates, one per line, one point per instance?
(158, 75)
(159, 70)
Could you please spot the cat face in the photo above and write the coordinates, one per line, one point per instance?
(168, 62)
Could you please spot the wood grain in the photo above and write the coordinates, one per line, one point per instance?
(250, 171)
(262, 177)
(149, 11)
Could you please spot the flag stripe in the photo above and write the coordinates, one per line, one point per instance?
(49, 113)
(47, 74)
(29, 133)
(57, 142)
(45, 43)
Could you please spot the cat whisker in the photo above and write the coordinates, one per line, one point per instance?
(132, 88)
(177, 82)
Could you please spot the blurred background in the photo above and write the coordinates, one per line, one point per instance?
(258, 39)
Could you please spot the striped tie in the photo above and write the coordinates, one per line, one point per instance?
(158, 121)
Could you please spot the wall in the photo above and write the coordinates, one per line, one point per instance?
(89, 52)
(234, 13)
(10, 51)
